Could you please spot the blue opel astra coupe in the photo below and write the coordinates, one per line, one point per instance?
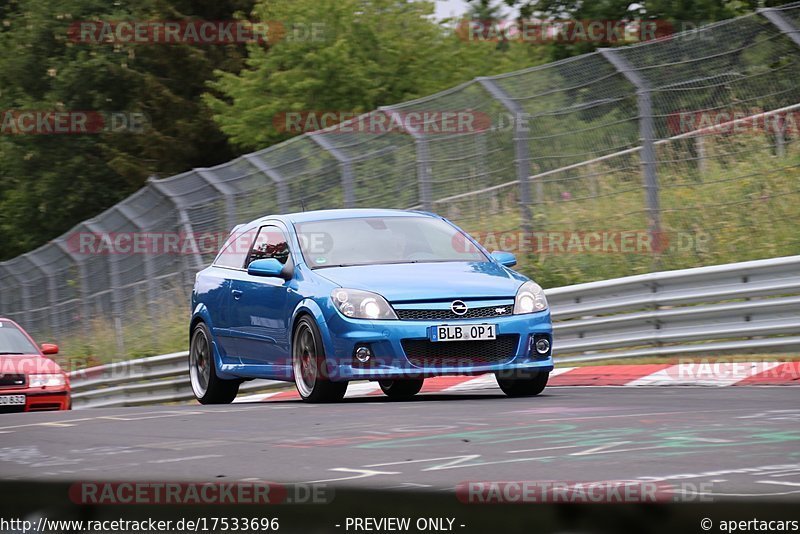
(325, 297)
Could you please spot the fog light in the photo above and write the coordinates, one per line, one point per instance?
(363, 354)
(542, 345)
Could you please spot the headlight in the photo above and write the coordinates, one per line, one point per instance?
(530, 299)
(359, 304)
(50, 381)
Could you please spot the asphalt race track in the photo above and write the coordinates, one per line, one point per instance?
(726, 442)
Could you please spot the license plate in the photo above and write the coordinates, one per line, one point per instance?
(12, 400)
(463, 332)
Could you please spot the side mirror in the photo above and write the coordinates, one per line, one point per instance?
(49, 348)
(266, 267)
(504, 258)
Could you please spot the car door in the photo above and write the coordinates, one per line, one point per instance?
(259, 314)
(228, 266)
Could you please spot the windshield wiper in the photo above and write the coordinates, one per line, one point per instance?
(7, 353)
(338, 265)
(398, 262)
(364, 264)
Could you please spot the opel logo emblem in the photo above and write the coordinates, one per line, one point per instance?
(458, 307)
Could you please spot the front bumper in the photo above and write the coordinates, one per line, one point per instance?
(390, 361)
(37, 400)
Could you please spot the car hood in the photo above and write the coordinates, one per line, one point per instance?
(27, 364)
(406, 282)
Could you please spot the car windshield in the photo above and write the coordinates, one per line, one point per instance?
(13, 341)
(381, 240)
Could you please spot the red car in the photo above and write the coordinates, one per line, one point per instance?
(29, 381)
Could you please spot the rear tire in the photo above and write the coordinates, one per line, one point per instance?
(309, 365)
(401, 389)
(207, 387)
(523, 387)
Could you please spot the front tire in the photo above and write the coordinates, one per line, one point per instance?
(309, 365)
(207, 387)
(401, 389)
(523, 387)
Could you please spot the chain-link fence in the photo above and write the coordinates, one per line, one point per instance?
(686, 143)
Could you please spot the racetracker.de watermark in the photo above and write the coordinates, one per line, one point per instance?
(718, 369)
(425, 122)
(198, 493)
(110, 243)
(589, 492)
(191, 32)
(532, 31)
(733, 122)
(553, 242)
(75, 122)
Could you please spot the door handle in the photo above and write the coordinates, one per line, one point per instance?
(237, 294)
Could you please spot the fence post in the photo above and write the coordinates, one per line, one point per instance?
(788, 28)
(149, 269)
(86, 313)
(482, 173)
(785, 25)
(423, 158)
(700, 148)
(272, 174)
(25, 298)
(225, 190)
(52, 293)
(3, 290)
(183, 221)
(780, 139)
(646, 136)
(116, 300)
(521, 151)
(5, 309)
(345, 167)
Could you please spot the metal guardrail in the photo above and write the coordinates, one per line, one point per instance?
(154, 380)
(738, 307)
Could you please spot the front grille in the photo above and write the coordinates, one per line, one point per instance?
(45, 407)
(12, 380)
(425, 353)
(447, 314)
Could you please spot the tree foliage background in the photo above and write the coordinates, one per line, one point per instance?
(48, 183)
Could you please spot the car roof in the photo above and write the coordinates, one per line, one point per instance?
(327, 215)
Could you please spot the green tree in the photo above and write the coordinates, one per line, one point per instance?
(683, 14)
(347, 55)
(48, 183)
(488, 10)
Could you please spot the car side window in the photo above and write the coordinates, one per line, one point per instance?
(235, 250)
(270, 243)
